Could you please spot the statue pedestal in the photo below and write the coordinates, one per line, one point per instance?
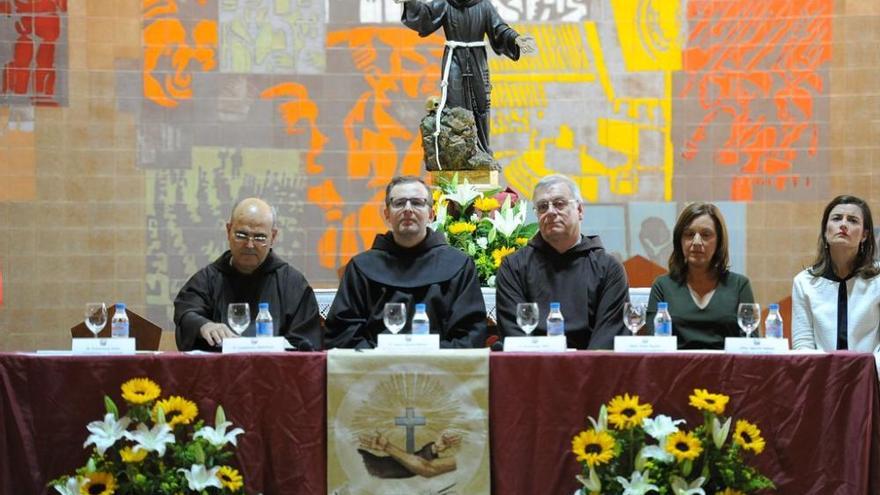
(481, 179)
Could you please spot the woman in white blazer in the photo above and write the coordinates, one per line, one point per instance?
(836, 300)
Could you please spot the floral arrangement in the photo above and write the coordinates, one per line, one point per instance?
(640, 454)
(157, 446)
(485, 225)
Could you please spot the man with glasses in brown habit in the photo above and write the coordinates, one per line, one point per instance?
(249, 272)
(561, 265)
(409, 264)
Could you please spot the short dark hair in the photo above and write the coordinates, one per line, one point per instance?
(720, 261)
(863, 265)
(406, 179)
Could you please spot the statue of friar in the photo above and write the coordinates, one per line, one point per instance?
(465, 69)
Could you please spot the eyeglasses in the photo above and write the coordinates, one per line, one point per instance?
(259, 239)
(416, 203)
(558, 204)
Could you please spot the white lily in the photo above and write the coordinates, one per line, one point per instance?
(218, 436)
(440, 216)
(507, 219)
(463, 195)
(636, 485)
(654, 452)
(719, 432)
(682, 487)
(71, 487)
(592, 483)
(151, 439)
(198, 477)
(602, 423)
(106, 433)
(482, 242)
(661, 426)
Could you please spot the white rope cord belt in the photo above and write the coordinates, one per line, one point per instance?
(444, 83)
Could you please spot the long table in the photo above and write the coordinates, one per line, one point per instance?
(818, 413)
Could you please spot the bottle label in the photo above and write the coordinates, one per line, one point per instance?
(773, 330)
(555, 328)
(421, 328)
(119, 329)
(663, 328)
(265, 329)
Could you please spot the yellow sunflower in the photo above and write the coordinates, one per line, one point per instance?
(625, 412)
(486, 204)
(140, 390)
(705, 401)
(521, 241)
(730, 491)
(230, 478)
(456, 228)
(178, 411)
(748, 436)
(98, 483)
(593, 447)
(500, 253)
(129, 455)
(684, 446)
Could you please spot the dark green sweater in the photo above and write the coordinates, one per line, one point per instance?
(700, 328)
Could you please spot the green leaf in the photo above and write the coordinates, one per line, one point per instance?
(111, 406)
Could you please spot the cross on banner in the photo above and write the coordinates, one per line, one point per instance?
(410, 421)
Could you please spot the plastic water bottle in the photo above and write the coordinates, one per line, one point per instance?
(264, 321)
(662, 321)
(773, 323)
(555, 321)
(420, 323)
(119, 323)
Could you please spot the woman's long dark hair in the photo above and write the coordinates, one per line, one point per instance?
(863, 265)
(720, 261)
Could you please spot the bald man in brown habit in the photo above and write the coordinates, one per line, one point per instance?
(249, 272)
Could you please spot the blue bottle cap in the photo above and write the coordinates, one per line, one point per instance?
(774, 307)
(554, 305)
(264, 306)
(420, 307)
(662, 305)
(120, 306)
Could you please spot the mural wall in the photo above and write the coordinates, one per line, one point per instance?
(314, 104)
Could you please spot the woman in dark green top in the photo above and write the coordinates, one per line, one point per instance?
(703, 295)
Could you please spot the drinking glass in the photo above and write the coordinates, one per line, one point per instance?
(748, 317)
(239, 316)
(634, 316)
(527, 316)
(394, 316)
(96, 317)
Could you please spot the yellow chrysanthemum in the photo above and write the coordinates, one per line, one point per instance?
(593, 447)
(748, 436)
(730, 491)
(98, 483)
(625, 412)
(521, 241)
(436, 194)
(178, 411)
(140, 390)
(500, 253)
(486, 204)
(456, 228)
(684, 446)
(131, 456)
(230, 478)
(704, 400)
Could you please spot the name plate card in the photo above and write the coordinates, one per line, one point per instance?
(754, 345)
(253, 344)
(543, 343)
(406, 343)
(645, 343)
(102, 347)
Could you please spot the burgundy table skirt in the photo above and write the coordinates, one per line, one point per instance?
(818, 413)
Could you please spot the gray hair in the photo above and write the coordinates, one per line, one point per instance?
(550, 180)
